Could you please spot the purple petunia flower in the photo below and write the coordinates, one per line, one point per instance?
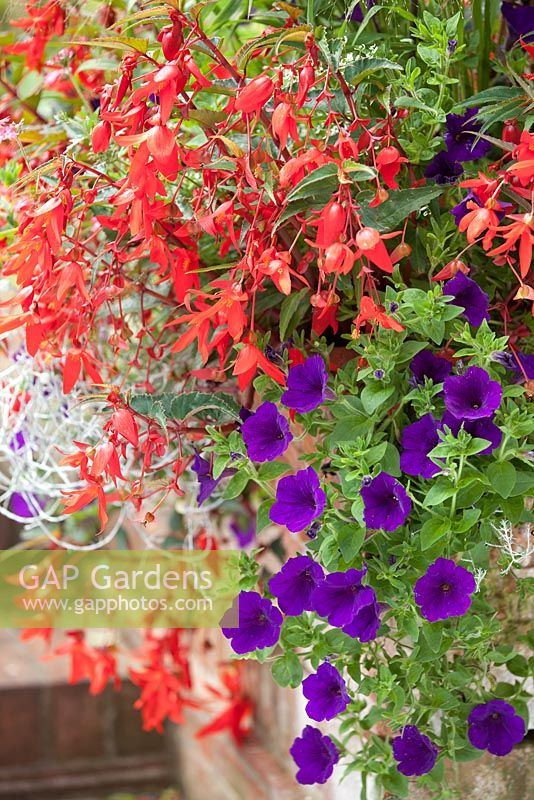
(461, 137)
(259, 624)
(414, 751)
(443, 169)
(444, 591)
(427, 365)
(294, 584)
(244, 536)
(520, 21)
(326, 692)
(207, 482)
(468, 295)
(266, 433)
(307, 385)
(315, 755)
(386, 504)
(366, 622)
(495, 727)
(418, 440)
(483, 428)
(521, 363)
(299, 500)
(472, 395)
(340, 596)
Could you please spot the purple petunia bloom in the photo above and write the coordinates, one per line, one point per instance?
(259, 624)
(315, 755)
(443, 169)
(366, 622)
(326, 692)
(426, 365)
(357, 13)
(307, 385)
(418, 440)
(468, 295)
(495, 727)
(444, 590)
(340, 596)
(207, 482)
(521, 363)
(266, 433)
(520, 21)
(414, 751)
(386, 504)
(244, 536)
(461, 137)
(299, 500)
(294, 584)
(472, 395)
(483, 428)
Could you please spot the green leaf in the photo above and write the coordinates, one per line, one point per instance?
(287, 670)
(272, 469)
(118, 43)
(375, 395)
(363, 68)
(236, 485)
(214, 406)
(31, 84)
(262, 516)
(433, 530)
(350, 538)
(440, 491)
(318, 183)
(502, 476)
(292, 311)
(389, 215)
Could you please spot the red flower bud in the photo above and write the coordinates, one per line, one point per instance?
(254, 96)
(100, 137)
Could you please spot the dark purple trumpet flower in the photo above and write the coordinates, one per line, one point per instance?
(207, 482)
(307, 386)
(427, 365)
(521, 363)
(495, 727)
(414, 751)
(444, 591)
(299, 500)
(461, 137)
(315, 755)
(386, 504)
(266, 433)
(244, 536)
(520, 21)
(418, 439)
(472, 395)
(340, 596)
(294, 584)
(326, 692)
(443, 169)
(366, 622)
(468, 295)
(259, 624)
(483, 428)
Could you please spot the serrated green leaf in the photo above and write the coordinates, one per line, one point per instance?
(289, 311)
(389, 215)
(217, 407)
